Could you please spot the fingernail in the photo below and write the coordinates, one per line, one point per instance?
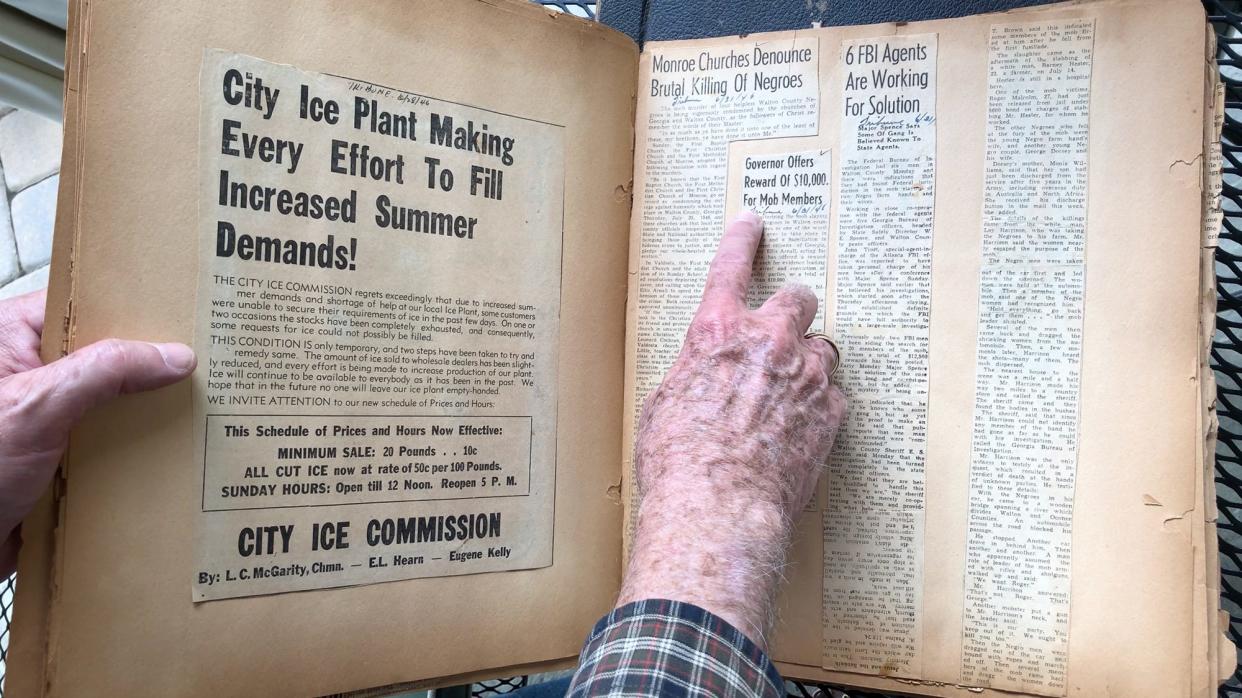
(750, 217)
(178, 357)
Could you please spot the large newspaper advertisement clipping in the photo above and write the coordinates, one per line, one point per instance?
(377, 328)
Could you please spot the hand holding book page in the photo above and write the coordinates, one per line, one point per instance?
(39, 404)
(731, 445)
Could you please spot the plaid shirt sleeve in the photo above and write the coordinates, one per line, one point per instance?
(668, 648)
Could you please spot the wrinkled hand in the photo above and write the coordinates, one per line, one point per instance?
(731, 445)
(39, 404)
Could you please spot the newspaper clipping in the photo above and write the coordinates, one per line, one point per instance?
(873, 530)
(377, 328)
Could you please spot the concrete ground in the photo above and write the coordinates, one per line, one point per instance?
(29, 176)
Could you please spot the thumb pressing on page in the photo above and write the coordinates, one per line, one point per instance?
(39, 404)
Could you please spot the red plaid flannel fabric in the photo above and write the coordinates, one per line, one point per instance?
(667, 648)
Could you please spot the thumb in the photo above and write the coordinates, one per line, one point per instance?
(38, 408)
(51, 398)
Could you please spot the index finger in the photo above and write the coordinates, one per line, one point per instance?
(729, 275)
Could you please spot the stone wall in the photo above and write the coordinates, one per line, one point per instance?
(29, 176)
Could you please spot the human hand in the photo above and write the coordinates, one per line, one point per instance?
(730, 446)
(39, 404)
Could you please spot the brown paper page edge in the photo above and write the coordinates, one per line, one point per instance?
(27, 658)
(1201, 643)
(1221, 652)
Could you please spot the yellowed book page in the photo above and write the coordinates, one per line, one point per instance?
(127, 556)
(1139, 216)
(1220, 649)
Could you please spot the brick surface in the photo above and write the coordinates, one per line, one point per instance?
(29, 149)
(34, 212)
(33, 281)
